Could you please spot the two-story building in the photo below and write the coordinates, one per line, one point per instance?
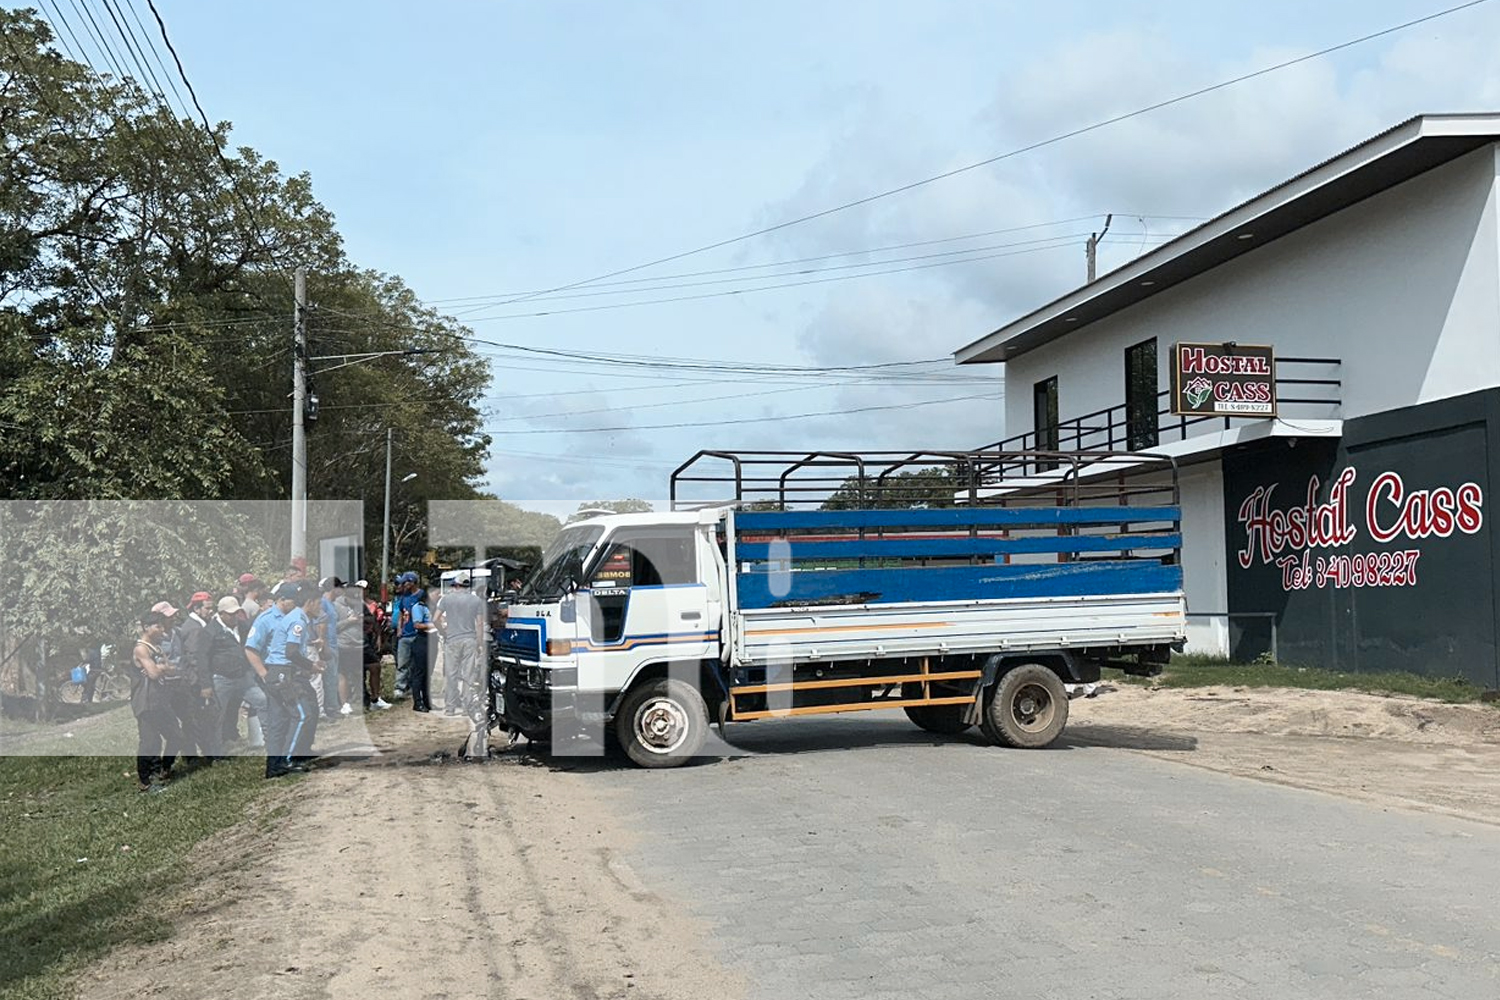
(1350, 530)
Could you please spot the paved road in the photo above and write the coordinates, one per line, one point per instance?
(914, 868)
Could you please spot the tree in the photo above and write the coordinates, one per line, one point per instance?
(630, 505)
(145, 299)
(145, 335)
(935, 486)
(81, 573)
(146, 345)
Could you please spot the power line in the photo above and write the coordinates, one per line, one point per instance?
(1031, 147)
(83, 56)
(657, 406)
(1043, 243)
(748, 420)
(156, 54)
(888, 370)
(708, 362)
(213, 138)
(653, 284)
(137, 54)
(789, 263)
(136, 48)
(92, 28)
(1053, 242)
(610, 460)
(745, 291)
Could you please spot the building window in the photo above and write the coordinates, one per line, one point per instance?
(1141, 396)
(1044, 416)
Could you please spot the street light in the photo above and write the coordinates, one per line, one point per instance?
(385, 533)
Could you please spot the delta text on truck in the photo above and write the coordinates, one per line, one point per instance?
(965, 588)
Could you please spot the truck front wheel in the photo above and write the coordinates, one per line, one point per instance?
(1027, 708)
(662, 723)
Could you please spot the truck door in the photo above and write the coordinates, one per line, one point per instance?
(646, 602)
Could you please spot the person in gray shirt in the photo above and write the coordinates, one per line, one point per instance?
(460, 619)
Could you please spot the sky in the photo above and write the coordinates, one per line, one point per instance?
(484, 151)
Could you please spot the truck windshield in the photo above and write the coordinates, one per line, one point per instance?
(561, 562)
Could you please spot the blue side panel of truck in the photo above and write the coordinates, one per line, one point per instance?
(956, 583)
(871, 557)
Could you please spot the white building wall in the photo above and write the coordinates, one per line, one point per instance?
(1403, 287)
(1205, 580)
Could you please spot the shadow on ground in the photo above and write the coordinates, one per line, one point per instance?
(1124, 738)
(783, 737)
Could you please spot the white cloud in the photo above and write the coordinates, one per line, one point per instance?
(1194, 159)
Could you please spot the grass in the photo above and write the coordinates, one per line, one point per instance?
(1200, 671)
(89, 861)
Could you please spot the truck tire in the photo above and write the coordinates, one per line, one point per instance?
(662, 723)
(1027, 708)
(944, 720)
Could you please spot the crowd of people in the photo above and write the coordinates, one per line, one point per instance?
(287, 658)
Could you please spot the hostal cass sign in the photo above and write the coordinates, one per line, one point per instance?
(1223, 380)
(1311, 541)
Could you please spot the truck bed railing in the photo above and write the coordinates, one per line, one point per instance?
(830, 480)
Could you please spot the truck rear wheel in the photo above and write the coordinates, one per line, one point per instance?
(1027, 708)
(662, 723)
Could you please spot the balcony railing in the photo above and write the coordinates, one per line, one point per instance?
(1306, 388)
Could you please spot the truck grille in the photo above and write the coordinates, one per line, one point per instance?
(520, 643)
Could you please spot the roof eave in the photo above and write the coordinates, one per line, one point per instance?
(1231, 234)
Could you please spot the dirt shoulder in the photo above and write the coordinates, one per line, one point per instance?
(410, 875)
(1391, 751)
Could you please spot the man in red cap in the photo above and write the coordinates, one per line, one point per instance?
(194, 701)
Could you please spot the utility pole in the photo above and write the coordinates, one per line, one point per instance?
(385, 531)
(299, 410)
(1091, 249)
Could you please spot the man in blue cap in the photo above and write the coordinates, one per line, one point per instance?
(407, 595)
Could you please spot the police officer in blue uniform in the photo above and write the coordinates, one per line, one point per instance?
(304, 649)
(275, 648)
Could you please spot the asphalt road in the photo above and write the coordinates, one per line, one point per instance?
(858, 857)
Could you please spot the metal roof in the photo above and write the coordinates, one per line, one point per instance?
(1375, 165)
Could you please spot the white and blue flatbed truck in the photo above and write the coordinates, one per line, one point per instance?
(965, 588)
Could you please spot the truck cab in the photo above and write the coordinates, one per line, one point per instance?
(617, 597)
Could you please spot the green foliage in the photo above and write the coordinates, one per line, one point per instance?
(146, 317)
(145, 313)
(913, 488)
(81, 573)
(500, 528)
(630, 505)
